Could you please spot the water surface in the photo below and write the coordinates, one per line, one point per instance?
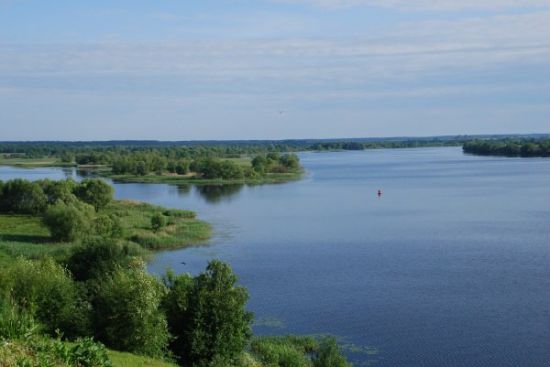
(450, 267)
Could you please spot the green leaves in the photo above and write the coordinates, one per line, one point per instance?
(207, 316)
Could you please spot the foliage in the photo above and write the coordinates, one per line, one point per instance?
(207, 316)
(99, 258)
(127, 316)
(329, 354)
(88, 353)
(68, 222)
(46, 352)
(158, 221)
(16, 323)
(284, 351)
(45, 291)
(60, 190)
(108, 226)
(509, 148)
(95, 192)
(297, 351)
(22, 197)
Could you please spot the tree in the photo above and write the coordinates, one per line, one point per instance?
(127, 316)
(46, 291)
(207, 316)
(108, 226)
(61, 190)
(259, 163)
(22, 197)
(95, 192)
(68, 222)
(182, 167)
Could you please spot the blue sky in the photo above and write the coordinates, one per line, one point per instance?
(272, 69)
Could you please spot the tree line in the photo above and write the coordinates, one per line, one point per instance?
(509, 148)
(69, 209)
(141, 163)
(102, 152)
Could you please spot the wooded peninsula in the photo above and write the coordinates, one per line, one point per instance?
(73, 282)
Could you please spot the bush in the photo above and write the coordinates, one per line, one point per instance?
(157, 221)
(284, 351)
(329, 354)
(127, 315)
(207, 316)
(68, 222)
(57, 191)
(22, 197)
(108, 226)
(100, 258)
(45, 352)
(87, 353)
(16, 323)
(45, 291)
(95, 192)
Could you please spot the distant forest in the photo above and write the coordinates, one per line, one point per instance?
(509, 147)
(106, 152)
(98, 152)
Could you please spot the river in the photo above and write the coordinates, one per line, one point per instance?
(450, 266)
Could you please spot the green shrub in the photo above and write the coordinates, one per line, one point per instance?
(68, 222)
(283, 351)
(127, 315)
(99, 258)
(16, 323)
(95, 192)
(61, 190)
(157, 221)
(207, 316)
(45, 290)
(108, 226)
(22, 197)
(46, 352)
(88, 353)
(329, 354)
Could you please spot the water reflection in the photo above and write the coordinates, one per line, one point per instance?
(217, 193)
(184, 190)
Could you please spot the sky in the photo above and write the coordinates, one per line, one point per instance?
(272, 69)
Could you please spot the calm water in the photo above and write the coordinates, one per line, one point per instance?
(450, 267)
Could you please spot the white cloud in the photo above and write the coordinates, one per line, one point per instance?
(362, 67)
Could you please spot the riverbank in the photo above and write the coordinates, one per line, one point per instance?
(164, 178)
(27, 235)
(268, 178)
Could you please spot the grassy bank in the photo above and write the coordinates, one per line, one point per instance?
(33, 162)
(51, 352)
(26, 235)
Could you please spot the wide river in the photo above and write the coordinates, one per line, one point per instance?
(449, 267)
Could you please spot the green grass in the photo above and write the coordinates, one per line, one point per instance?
(23, 235)
(120, 359)
(33, 162)
(34, 351)
(182, 229)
